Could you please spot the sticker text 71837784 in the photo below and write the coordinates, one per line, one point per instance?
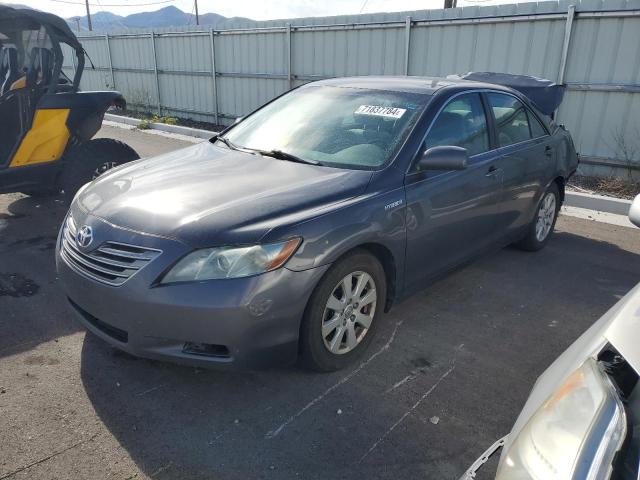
(378, 111)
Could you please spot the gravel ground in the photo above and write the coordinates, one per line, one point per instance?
(185, 122)
(610, 187)
(446, 377)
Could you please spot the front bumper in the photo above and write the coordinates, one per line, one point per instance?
(471, 472)
(250, 322)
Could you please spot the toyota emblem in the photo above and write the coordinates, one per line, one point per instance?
(84, 236)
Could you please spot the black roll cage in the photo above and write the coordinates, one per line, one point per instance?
(57, 50)
(58, 32)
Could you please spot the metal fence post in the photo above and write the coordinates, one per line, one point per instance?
(113, 78)
(213, 73)
(565, 46)
(407, 44)
(155, 71)
(289, 76)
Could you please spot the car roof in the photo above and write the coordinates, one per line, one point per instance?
(409, 84)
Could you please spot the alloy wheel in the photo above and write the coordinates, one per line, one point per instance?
(546, 216)
(349, 312)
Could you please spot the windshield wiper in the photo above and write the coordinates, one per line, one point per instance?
(280, 155)
(225, 141)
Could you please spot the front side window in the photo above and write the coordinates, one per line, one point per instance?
(512, 121)
(462, 123)
(334, 126)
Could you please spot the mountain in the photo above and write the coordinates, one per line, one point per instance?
(99, 21)
(14, 5)
(165, 17)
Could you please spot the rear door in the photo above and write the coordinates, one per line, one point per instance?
(451, 215)
(527, 159)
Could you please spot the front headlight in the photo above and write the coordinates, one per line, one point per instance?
(231, 262)
(575, 434)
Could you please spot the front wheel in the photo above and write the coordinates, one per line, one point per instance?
(88, 160)
(343, 312)
(543, 222)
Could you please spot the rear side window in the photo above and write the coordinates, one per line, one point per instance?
(537, 130)
(462, 123)
(512, 121)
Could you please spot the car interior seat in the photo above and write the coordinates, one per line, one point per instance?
(513, 128)
(477, 140)
(373, 131)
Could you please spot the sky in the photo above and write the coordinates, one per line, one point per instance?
(254, 9)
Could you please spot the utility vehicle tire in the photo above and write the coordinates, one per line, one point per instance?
(89, 160)
(544, 221)
(343, 313)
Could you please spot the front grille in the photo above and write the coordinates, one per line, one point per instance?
(112, 263)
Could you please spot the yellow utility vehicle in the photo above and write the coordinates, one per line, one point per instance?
(46, 123)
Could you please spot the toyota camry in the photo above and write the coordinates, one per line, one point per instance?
(288, 235)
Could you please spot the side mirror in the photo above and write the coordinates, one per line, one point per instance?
(444, 158)
(634, 211)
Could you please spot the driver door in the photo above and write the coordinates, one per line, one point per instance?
(453, 215)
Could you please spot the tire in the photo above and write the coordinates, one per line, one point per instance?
(89, 160)
(546, 213)
(315, 346)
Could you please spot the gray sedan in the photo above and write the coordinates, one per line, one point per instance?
(288, 235)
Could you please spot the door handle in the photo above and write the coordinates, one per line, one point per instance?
(548, 151)
(492, 172)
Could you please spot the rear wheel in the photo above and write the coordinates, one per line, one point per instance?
(88, 160)
(543, 222)
(343, 312)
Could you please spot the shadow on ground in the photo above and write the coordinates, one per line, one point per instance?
(30, 301)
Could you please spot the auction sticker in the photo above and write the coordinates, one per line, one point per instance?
(378, 111)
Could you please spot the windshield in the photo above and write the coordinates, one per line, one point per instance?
(334, 126)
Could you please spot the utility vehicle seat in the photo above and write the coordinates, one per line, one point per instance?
(9, 70)
(39, 72)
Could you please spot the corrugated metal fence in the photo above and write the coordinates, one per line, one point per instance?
(217, 75)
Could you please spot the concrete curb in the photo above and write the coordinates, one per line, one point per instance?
(599, 203)
(163, 127)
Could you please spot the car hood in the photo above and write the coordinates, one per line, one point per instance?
(620, 327)
(207, 195)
